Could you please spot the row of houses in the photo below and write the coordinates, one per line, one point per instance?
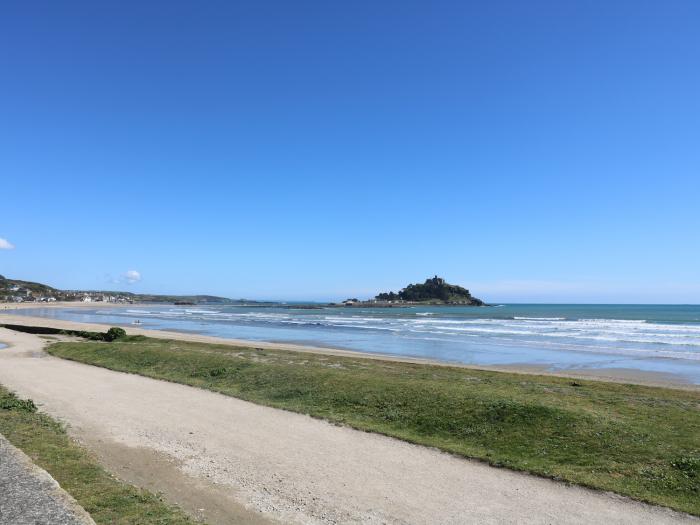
(102, 298)
(27, 299)
(17, 294)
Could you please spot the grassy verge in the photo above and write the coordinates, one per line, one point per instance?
(108, 500)
(639, 441)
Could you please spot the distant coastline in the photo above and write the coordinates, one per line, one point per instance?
(433, 291)
(17, 291)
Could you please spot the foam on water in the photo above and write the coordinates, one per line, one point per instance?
(540, 318)
(554, 334)
(594, 330)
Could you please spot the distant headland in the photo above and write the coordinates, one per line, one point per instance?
(17, 291)
(433, 291)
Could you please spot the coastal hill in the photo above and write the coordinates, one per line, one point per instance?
(14, 290)
(432, 291)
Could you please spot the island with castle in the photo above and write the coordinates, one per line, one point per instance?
(434, 291)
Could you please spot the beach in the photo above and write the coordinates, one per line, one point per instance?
(607, 370)
(657, 339)
(624, 375)
(221, 457)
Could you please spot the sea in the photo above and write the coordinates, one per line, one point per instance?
(556, 337)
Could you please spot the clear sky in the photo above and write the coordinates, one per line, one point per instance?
(530, 151)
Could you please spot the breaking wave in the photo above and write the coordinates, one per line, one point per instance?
(633, 337)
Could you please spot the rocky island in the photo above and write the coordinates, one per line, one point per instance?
(433, 291)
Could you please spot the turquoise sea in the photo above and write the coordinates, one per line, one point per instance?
(654, 338)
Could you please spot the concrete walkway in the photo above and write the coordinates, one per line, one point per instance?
(30, 496)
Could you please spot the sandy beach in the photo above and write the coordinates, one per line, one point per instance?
(228, 460)
(621, 375)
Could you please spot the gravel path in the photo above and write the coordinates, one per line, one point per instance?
(30, 496)
(293, 468)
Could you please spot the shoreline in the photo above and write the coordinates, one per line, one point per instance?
(613, 375)
(228, 460)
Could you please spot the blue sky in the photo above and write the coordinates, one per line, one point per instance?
(531, 151)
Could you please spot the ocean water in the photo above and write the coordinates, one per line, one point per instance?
(653, 338)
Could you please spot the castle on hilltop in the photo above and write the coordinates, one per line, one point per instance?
(432, 291)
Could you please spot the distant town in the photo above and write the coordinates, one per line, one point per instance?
(27, 292)
(17, 291)
(19, 294)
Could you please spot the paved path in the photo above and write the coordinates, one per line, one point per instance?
(293, 468)
(30, 496)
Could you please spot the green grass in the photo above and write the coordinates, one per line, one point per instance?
(639, 441)
(108, 500)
